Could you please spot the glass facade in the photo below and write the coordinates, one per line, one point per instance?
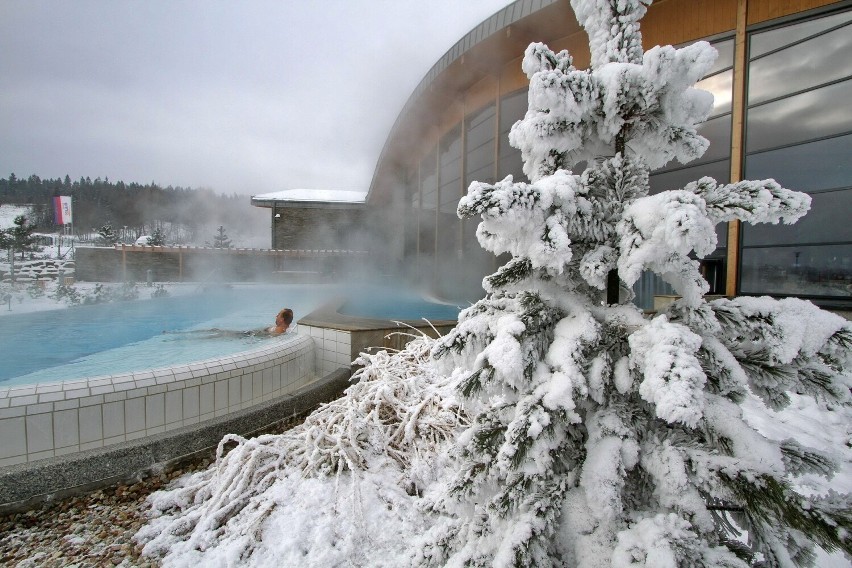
(799, 132)
(480, 147)
(427, 217)
(715, 163)
(513, 107)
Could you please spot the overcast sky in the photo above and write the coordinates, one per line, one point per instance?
(240, 97)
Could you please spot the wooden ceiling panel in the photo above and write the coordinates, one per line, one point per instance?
(763, 10)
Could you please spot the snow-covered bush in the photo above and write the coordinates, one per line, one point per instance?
(554, 426)
(36, 290)
(67, 293)
(160, 292)
(354, 465)
(102, 294)
(99, 295)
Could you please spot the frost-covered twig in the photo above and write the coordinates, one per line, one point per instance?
(399, 409)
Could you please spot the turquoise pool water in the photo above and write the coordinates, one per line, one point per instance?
(386, 304)
(124, 337)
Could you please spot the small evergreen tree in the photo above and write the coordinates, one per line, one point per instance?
(600, 437)
(5, 239)
(108, 235)
(157, 238)
(23, 239)
(220, 239)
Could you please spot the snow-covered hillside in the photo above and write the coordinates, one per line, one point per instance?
(9, 212)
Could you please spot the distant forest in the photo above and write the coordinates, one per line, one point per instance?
(186, 213)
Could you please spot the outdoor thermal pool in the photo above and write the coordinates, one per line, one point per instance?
(123, 337)
(150, 380)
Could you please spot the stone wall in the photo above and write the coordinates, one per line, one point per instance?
(39, 271)
(315, 228)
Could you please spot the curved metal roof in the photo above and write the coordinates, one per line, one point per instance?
(499, 21)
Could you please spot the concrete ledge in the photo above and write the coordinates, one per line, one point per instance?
(339, 338)
(26, 485)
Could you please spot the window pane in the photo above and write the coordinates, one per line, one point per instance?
(648, 286)
(813, 114)
(449, 233)
(479, 139)
(448, 223)
(512, 109)
(828, 221)
(721, 87)
(428, 183)
(726, 56)
(426, 223)
(717, 131)
(802, 270)
(764, 42)
(814, 62)
(677, 179)
(415, 194)
(721, 241)
(411, 214)
(426, 242)
(450, 165)
(824, 164)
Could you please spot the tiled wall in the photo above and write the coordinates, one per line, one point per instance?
(336, 348)
(333, 348)
(54, 419)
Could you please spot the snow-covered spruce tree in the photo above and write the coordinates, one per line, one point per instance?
(22, 238)
(107, 235)
(220, 239)
(600, 437)
(157, 238)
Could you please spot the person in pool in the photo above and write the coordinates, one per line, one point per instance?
(282, 322)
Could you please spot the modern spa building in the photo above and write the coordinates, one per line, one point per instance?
(783, 88)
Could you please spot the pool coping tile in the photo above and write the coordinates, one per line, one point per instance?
(51, 396)
(251, 369)
(75, 385)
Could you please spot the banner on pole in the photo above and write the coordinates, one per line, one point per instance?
(62, 209)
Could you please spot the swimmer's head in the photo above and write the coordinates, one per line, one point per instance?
(284, 316)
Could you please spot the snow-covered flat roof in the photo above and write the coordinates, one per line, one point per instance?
(314, 195)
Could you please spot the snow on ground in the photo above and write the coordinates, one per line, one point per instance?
(831, 432)
(9, 212)
(805, 421)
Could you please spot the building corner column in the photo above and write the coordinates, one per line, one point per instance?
(737, 143)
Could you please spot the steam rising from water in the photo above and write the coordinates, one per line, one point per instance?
(124, 337)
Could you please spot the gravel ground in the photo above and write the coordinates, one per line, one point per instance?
(93, 530)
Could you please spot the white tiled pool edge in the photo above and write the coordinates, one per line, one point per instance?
(55, 419)
(333, 348)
